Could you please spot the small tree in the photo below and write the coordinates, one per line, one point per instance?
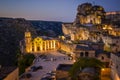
(24, 61)
(82, 63)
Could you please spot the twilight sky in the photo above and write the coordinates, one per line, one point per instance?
(49, 10)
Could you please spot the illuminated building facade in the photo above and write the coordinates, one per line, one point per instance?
(113, 15)
(88, 13)
(115, 66)
(88, 17)
(92, 24)
(39, 44)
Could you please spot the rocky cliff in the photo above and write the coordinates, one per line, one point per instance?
(11, 32)
(47, 28)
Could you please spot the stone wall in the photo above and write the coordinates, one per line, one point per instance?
(13, 75)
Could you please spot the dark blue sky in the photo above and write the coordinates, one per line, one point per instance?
(55, 10)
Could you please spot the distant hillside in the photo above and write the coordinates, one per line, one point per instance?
(11, 32)
(47, 28)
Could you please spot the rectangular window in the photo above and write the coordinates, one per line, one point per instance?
(86, 54)
(81, 54)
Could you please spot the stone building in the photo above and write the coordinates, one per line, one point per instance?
(75, 33)
(66, 47)
(113, 15)
(84, 51)
(88, 18)
(62, 71)
(87, 74)
(66, 28)
(97, 28)
(112, 29)
(88, 13)
(112, 42)
(87, 49)
(103, 56)
(115, 66)
(90, 24)
(38, 44)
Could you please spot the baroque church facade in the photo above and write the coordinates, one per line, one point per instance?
(39, 44)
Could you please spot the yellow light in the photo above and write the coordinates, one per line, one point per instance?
(104, 27)
(74, 60)
(103, 69)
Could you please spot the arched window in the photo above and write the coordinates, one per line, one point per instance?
(38, 48)
(33, 49)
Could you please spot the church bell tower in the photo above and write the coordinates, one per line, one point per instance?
(27, 41)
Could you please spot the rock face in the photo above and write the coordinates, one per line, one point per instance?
(11, 32)
(47, 28)
(88, 13)
(88, 18)
(94, 25)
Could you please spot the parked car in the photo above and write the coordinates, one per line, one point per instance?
(51, 74)
(46, 59)
(43, 57)
(39, 67)
(44, 78)
(26, 75)
(47, 78)
(35, 68)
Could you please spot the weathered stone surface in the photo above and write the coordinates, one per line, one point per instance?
(88, 13)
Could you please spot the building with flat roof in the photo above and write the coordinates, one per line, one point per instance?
(62, 71)
(115, 66)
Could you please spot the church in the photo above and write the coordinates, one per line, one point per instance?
(38, 44)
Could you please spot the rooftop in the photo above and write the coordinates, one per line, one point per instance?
(117, 54)
(89, 70)
(64, 67)
(67, 22)
(4, 71)
(99, 51)
(78, 47)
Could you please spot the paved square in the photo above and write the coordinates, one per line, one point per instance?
(49, 64)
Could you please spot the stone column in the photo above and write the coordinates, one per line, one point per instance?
(31, 47)
(54, 44)
(35, 47)
(48, 45)
(45, 45)
(51, 43)
(41, 47)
